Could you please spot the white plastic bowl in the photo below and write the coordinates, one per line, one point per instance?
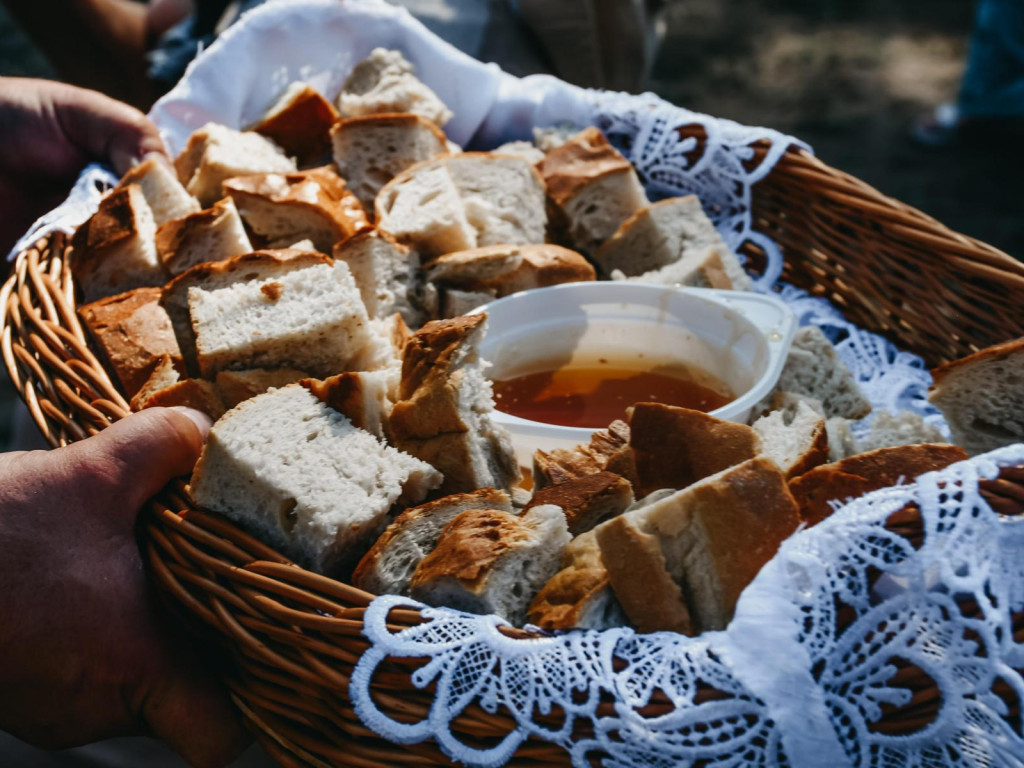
(741, 338)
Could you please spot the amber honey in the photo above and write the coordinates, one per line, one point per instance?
(596, 392)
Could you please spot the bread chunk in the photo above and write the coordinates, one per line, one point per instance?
(370, 151)
(258, 265)
(192, 393)
(133, 334)
(314, 204)
(388, 567)
(238, 386)
(579, 595)
(587, 501)
(385, 81)
(216, 153)
(816, 491)
(672, 241)
(299, 122)
(676, 447)
(299, 476)
(464, 201)
(710, 539)
(608, 449)
(501, 270)
(813, 369)
(492, 562)
(443, 413)
(387, 273)
(113, 250)
(980, 396)
(524, 149)
(904, 428)
(164, 194)
(311, 319)
(797, 442)
(365, 397)
(593, 186)
(421, 207)
(214, 234)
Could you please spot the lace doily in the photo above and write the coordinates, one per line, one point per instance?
(792, 688)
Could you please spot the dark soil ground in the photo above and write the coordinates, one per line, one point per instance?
(846, 76)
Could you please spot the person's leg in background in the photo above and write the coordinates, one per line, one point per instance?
(991, 98)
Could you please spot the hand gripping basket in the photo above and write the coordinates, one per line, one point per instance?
(293, 639)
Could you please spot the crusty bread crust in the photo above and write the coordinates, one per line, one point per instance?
(299, 123)
(178, 234)
(132, 332)
(192, 393)
(427, 403)
(320, 191)
(676, 447)
(995, 352)
(640, 578)
(587, 500)
(484, 498)
(580, 160)
(865, 472)
(570, 595)
(468, 548)
(501, 270)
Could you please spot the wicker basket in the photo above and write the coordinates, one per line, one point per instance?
(293, 637)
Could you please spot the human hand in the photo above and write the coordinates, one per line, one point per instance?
(48, 132)
(84, 652)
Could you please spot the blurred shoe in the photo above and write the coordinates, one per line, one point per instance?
(938, 128)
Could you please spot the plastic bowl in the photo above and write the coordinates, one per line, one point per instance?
(741, 338)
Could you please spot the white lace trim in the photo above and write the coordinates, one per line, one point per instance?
(821, 694)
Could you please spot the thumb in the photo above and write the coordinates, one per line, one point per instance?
(137, 456)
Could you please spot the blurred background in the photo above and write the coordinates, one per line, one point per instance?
(847, 76)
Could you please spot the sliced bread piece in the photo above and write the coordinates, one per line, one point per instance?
(422, 208)
(363, 396)
(713, 537)
(299, 122)
(593, 186)
(113, 250)
(166, 373)
(385, 81)
(524, 149)
(492, 562)
(298, 475)
(443, 413)
(702, 268)
(841, 441)
(608, 449)
(818, 491)
(370, 151)
(796, 441)
(500, 270)
(238, 386)
(191, 393)
(673, 233)
(813, 369)
(314, 204)
(387, 273)
(675, 447)
(165, 195)
(980, 396)
(587, 501)
(214, 234)
(216, 153)
(311, 318)
(388, 567)
(453, 302)
(580, 594)
(503, 197)
(904, 428)
(258, 265)
(133, 335)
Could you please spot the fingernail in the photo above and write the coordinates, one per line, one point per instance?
(201, 420)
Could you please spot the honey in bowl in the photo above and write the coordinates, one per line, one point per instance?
(591, 393)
